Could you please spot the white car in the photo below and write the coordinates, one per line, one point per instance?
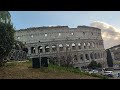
(93, 71)
(108, 73)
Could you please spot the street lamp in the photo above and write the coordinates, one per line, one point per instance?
(40, 57)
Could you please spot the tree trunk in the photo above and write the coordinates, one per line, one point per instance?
(1, 62)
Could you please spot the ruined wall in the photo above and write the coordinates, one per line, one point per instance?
(84, 42)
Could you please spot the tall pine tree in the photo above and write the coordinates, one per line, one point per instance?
(109, 58)
(6, 35)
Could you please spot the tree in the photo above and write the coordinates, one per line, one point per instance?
(94, 64)
(67, 61)
(109, 58)
(5, 17)
(18, 45)
(99, 65)
(6, 35)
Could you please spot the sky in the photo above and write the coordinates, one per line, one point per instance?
(107, 21)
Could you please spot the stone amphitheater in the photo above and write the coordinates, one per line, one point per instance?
(83, 43)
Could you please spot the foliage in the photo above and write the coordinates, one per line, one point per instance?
(94, 64)
(99, 65)
(6, 35)
(19, 70)
(109, 58)
(74, 70)
(5, 17)
(11, 64)
(25, 49)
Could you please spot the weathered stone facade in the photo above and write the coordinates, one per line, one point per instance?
(115, 53)
(17, 55)
(83, 43)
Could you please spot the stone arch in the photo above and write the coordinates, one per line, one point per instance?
(32, 50)
(91, 56)
(84, 45)
(47, 48)
(67, 47)
(89, 45)
(54, 48)
(25, 50)
(93, 44)
(73, 46)
(75, 58)
(95, 55)
(83, 33)
(79, 46)
(81, 57)
(98, 55)
(61, 47)
(40, 49)
(97, 44)
(87, 56)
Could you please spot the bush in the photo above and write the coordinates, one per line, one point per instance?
(94, 64)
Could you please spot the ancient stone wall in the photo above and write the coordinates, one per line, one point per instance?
(83, 43)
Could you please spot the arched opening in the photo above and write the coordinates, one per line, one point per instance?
(32, 50)
(81, 57)
(93, 44)
(25, 49)
(83, 33)
(47, 48)
(40, 49)
(73, 46)
(79, 45)
(67, 47)
(59, 34)
(91, 55)
(87, 57)
(88, 45)
(97, 45)
(95, 56)
(98, 55)
(60, 47)
(75, 57)
(54, 48)
(84, 44)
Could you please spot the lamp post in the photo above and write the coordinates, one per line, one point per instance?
(40, 58)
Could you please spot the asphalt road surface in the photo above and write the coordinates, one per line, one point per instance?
(115, 73)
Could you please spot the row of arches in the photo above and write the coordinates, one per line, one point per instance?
(63, 47)
(76, 58)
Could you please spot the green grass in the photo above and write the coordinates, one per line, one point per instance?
(76, 71)
(24, 70)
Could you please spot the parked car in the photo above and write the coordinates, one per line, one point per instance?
(108, 73)
(118, 75)
(93, 71)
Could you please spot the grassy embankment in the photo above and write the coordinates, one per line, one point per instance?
(24, 70)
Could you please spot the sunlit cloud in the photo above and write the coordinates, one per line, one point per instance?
(110, 34)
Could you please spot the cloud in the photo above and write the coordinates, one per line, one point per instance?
(110, 34)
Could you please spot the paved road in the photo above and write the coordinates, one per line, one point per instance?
(115, 73)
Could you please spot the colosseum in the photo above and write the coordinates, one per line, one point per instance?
(83, 43)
